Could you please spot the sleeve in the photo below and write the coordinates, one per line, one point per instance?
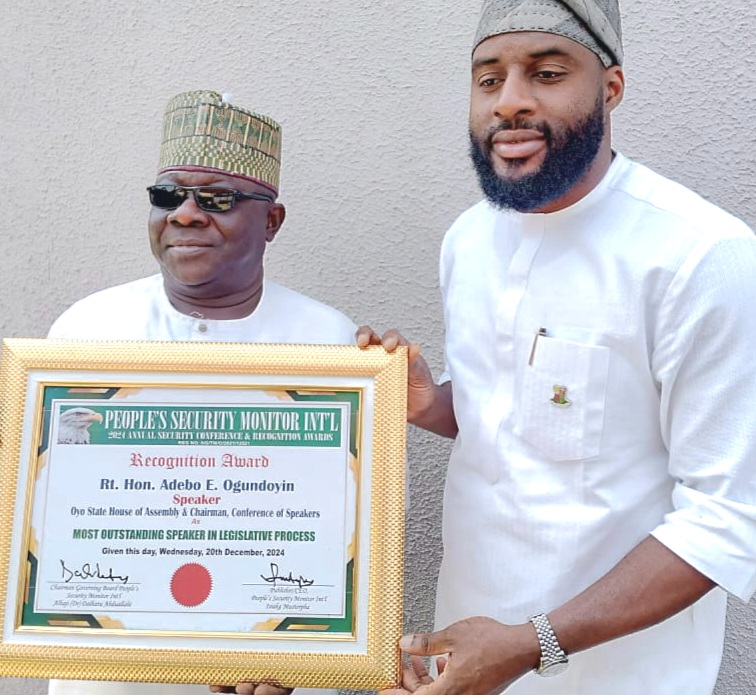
(80, 322)
(350, 332)
(335, 328)
(62, 327)
(445, 259)
(705, 338)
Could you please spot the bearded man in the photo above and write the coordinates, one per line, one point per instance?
(214, 211)
(600, 498)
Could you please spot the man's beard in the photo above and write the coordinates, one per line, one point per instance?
(569, 154)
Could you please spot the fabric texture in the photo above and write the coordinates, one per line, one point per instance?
(140, 310)
(595, 24)
(632, 415)
(201, 130)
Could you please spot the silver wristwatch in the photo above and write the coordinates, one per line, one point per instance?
(553, 659)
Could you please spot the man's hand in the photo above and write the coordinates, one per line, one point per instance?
(484, 657)
(420, 384)
(415, 675)
(250, 689)
(428, 405)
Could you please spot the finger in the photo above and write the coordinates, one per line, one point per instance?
(418, 675)
(426, 644)
(413, 352)
(266, 689)
(246, 689)
(441, 663)
(365, 336)
(410, 680)
(392, 338)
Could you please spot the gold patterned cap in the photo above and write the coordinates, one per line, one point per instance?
(202, 131)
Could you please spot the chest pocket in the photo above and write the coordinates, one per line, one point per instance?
(561, 400)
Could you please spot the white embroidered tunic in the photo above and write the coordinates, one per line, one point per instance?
(632, 412)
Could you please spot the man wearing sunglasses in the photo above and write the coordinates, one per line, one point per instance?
(214, 210)
(213, 213)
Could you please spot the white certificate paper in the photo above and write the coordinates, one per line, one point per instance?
(228, 516)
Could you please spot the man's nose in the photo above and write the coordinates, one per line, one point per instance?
(188, 214)
(514, 98)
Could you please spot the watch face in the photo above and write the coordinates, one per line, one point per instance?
(553, 669)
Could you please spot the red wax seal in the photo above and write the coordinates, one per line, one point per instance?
(191, 584)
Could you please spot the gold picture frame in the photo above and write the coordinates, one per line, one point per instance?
(283, 567)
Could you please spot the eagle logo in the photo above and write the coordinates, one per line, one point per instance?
(73, 425)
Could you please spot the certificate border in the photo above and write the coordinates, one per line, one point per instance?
(377, 666)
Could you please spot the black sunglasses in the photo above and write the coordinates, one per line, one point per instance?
(208, 198)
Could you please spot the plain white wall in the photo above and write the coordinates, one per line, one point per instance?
(373, 101)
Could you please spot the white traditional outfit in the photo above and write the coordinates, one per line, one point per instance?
(140, 310)
(602, 364)
(202, 131)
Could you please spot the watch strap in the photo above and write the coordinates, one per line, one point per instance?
(551, 651)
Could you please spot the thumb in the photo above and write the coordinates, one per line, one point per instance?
(418, 372)
(413, 351)
(428, 644)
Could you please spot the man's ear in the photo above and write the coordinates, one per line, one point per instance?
(276, 217)
(614, 87)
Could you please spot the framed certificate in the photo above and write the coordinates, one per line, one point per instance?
(202, 513)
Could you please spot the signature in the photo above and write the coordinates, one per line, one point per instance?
(87, 571)
(275, 577)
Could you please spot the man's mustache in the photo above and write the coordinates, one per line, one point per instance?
(517, 125)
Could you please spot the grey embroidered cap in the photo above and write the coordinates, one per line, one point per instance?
(595, 24)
